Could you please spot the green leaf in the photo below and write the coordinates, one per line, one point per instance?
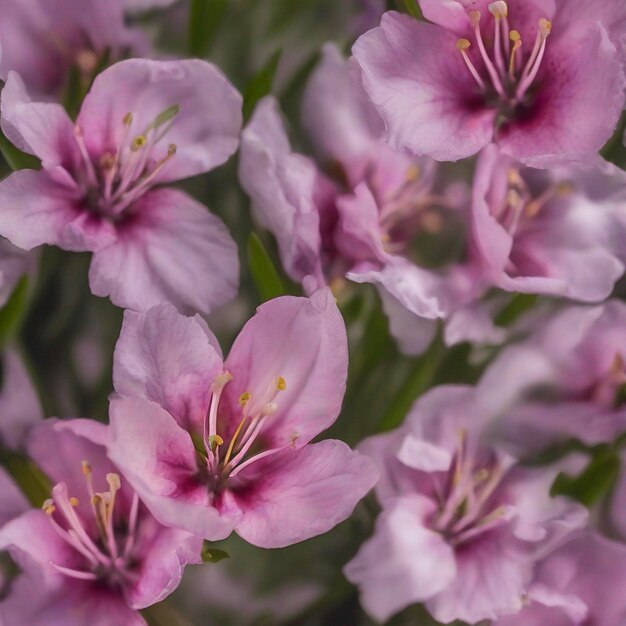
(12, 313)
(34, 484)
(594, 482)
(205, 17)
(519, 304)
(412, 9)
(418, 380)
(260, 85)
(213, 555)
(264, 274)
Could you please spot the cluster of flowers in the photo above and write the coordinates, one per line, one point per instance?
(199, 446)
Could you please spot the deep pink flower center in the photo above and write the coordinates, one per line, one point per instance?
(469, 495)
(114, 179)
(510, 67)
(104, 553)
(223, 458)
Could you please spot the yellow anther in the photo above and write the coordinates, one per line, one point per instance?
(514, 36)
(221, 380)
(96, 499)
(474, 18)
(114, 481)
(214, 442)
(74, 501)
(281, 384)
(138, 143)
(171, 150)
(413, 173)
(463, 44)
(86, 468)
(499, 9)
(128, 119)
(513, 198)
(244, 398)
(545, 26)
(48, 506)
(514, 178)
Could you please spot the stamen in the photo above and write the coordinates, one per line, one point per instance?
(82, 148)
(414, 171)
(48, 506)
(281, 384)
(210, 436)
(244, 398)
(462, 46)
(499, 10)
(493, 74)
(214, 442)
(534, 62)
(516, 38)
(74, 573)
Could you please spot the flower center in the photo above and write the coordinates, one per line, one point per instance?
(117, 178)
(421, 224)
(226, 459)
(467, 496)
(107, 556)
(506, 72)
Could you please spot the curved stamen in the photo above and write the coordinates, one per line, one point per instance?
(491, 70)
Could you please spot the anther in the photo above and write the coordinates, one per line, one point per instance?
(138, 143)
(128, 119)
(545, 27)
(48, 506)
(499, 9)
(171, 150)
(221, 380)
(74, 501)
(107, 161)
(86, 468)
(281, 384)
(463, 44)
(244, 398)
(414, 171)
(474, 18)
(214, 442)
(114, 481)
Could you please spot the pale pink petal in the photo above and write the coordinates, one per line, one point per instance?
(420, 86)
(205, 130)
(303, 340)
(172, 250)
(296, 495)
(403, 563)
(168, 358)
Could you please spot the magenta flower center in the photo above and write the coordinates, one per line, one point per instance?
(469, 500)
(104, 552)
(225, 459)
(113, 180)
(510, 68)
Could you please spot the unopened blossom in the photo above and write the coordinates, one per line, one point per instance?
(462, 524)
(213, 445)
(544, 232)
(372, 214)
(578, 585)
(94, 553)
(43, 40)
(143, 123)
(566, 381)
(543, 79)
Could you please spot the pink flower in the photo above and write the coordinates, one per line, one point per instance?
(462, 524)
(94, 553)
(374, 221)
(565, 381)
(143, 124)
(577, 586)
(528, 74)
(546, 233)
(213, 446)
(43, 39)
